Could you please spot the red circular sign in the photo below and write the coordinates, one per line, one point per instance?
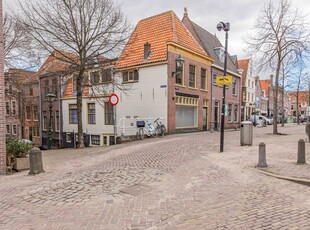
(113, 99)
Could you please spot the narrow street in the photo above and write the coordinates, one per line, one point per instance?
(174, 182)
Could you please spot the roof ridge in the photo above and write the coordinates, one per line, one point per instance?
(157, 15)
(174, 32)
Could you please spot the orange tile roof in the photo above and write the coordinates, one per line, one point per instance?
(302, 95)
(265, 85)
(243, 64)
(157, 30)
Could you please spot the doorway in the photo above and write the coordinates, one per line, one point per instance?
(205, 118)
(216, 115)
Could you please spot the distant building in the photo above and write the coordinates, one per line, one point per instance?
(299, 102)
(248, 89)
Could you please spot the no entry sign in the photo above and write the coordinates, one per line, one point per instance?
(113, 99)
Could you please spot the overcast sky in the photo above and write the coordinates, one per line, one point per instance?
(241, 14)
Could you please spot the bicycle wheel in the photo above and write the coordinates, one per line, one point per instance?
(141, 133)
(163, 130)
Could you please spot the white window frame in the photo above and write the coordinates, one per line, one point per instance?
(14, 133)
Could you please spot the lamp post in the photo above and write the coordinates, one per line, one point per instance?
(178, 65)
(50, 98)
(226, 27)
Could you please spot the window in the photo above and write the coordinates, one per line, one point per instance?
(186, 116)
(234, 87)
(249, 83)
(130, 76)
(236, 117)
(220, 52)
(68, 138)
(108, 110)
(214, 79)
(253, 84)
(106, 75)
(73, 119)
(35, 112)
(229, 112)
(94, 77)
(203, 79)
(14, 129)
(45, 87)
(57, 120)
(192, 80)
(252, 99)
(51, 122)
(8, 129)
(55, 87)
(28, 112)
(249, 97)
(91, 113)
(95, 139)
(147, 51)
(30, 90)
(44, 120)
(14, 107)
(7, 108)
(179, 77)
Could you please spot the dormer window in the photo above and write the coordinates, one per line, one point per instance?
(220, 52)
(147, 51)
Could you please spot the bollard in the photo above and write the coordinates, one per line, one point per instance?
(301, 155)
(262, 155)
(36, 164)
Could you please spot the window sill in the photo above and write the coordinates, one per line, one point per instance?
(192, 88)
(129, 82)
(204, 90)
(182, 86)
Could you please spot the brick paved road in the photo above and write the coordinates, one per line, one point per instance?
(175, 182)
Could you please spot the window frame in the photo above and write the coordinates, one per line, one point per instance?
(70, 115)
(57, 121)
(35, 113)
(91, 112)
(130, 76)
(203, 87)
(192, 76)
(95, 77)
(108, 114)
(234, 87)
(13, 104)
(180, 76)
(229, 116)
(14, 132)
(28, 112)
(7, 108)
(236, 113)
(8, 129)
(44, 120)
(106, 75)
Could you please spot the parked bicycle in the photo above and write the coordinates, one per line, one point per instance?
(160, 128)
(150, 131)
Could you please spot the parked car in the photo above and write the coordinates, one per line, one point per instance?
(259, 118)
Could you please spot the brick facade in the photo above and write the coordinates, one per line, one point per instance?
(2, 104)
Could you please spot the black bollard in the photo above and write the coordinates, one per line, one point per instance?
(301, 155)
(36, 164)
(262, 156)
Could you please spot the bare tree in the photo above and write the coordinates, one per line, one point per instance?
(280, 32)
(19, 50)
(87, 29)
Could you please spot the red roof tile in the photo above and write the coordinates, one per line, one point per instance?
(157, 30)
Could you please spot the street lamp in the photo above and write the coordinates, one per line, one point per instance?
(50, 98)
(226, 27)
(178, 65)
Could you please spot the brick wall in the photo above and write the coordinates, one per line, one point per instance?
(2, 103)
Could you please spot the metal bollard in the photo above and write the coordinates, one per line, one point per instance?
(301, 155)
(262, 156)
(36, 164)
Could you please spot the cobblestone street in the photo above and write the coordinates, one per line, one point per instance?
(175, 182)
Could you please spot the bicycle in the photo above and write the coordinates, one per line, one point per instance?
(150, 132)
(160, 128)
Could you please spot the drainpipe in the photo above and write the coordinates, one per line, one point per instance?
(40, 116)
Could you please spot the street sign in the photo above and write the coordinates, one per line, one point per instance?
(113, 99)
(223, 80)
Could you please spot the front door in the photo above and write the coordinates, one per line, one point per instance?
(30, 133)
(205, 118)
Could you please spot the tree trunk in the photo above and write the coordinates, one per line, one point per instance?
(79, 97)
(275, 100)
(282, 122)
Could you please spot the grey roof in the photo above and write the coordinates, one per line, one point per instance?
(209, 42)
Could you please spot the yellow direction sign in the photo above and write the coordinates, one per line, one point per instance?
(223, 80)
